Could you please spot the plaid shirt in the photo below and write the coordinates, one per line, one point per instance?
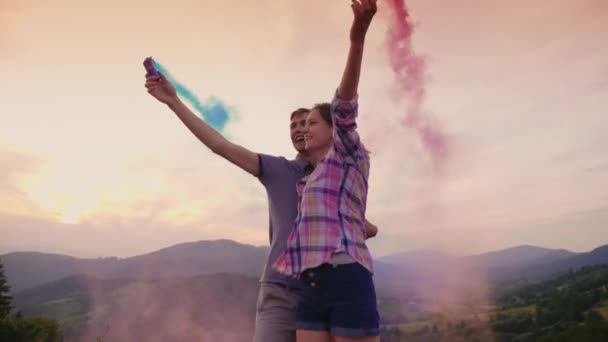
(332, 201)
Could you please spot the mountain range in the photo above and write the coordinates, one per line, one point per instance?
(195, 291)
(30, 269)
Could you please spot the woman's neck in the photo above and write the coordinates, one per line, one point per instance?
(314, 157)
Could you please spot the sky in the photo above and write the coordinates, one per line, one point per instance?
(91, 165)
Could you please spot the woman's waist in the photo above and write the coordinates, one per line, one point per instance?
(338, 225)
(341, 258)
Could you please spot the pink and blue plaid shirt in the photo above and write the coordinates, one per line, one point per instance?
(332, 201)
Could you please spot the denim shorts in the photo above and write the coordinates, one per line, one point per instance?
(340, 299)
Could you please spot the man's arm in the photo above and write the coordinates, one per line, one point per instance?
(370, 229)
(164, 92)
(236, 154)
(364, 11)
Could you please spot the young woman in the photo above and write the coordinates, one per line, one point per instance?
(326, 249)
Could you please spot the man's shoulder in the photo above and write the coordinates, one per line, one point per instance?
(280, 160)
(279, 166)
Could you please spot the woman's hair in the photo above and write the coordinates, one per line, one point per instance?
(325, 111)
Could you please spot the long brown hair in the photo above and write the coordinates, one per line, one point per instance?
(324, 109)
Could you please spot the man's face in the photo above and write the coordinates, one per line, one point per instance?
(297, 127)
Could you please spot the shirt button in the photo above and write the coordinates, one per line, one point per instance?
(311, 274)
(313, 284)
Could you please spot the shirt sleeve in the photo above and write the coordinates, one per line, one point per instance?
(345, 135)
(272, 168)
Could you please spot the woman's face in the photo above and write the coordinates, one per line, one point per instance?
(318, 133)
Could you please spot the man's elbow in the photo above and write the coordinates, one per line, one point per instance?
(219, 146)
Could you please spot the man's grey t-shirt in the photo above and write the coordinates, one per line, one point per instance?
(279, 176)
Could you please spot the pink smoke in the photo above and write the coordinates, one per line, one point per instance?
(410, 71)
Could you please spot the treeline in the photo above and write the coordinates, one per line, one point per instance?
(562, 309)
(16, 328)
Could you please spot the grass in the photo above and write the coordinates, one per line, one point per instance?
(406, 312)
(531, 309)
(414, 326)
(411, 327)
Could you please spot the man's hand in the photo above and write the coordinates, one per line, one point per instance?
(364, 11)
(370, 229)
(161, 89)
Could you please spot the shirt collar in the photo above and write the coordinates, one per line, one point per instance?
(303, 164)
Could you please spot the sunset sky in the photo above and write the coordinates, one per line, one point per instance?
(91, 165)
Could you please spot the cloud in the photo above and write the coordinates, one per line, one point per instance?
(15, 165)
(518, 90)
(154, 200)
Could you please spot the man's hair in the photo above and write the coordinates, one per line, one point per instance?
(298, 112)
(325, 111)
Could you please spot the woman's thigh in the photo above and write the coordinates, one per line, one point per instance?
(312, 336)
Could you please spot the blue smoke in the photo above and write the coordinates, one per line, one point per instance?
(213, 111)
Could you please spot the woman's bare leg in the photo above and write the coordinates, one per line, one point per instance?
(312, 336)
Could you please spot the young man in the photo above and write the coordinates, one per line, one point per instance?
(278, 296)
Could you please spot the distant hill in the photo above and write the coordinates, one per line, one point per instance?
(29, 269)
(519, 256)
(536, 263)
(513, 257)
(194, 258)
(219, 307)
(544, 270)
(409, 269)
